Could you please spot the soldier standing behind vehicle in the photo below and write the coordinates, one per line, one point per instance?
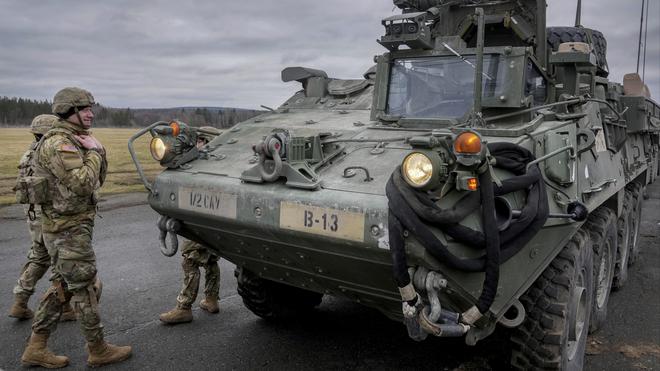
(74, 165)
(38, 258)
(196, 255)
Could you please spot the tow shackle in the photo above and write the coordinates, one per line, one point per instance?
(168, 231)
(270, 147)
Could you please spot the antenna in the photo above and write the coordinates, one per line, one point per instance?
(578, 14)
(646, 34)
(639, 44)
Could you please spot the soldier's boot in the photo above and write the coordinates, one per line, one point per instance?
(177, 315)
(102, 353)
(20, 308)
(37, 353)
(210, 304)
(68, 313)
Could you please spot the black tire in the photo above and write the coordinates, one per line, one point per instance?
(637, 190)
(624, 228)
(271, 300)
(553, 336)
(602, 227)
(558, 35)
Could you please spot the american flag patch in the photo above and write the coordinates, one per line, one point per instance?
(68, 148)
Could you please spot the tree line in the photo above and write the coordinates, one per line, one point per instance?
(20, 112)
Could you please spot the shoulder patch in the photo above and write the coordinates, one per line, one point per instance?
(68, 148)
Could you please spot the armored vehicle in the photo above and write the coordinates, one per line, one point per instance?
(484, 172)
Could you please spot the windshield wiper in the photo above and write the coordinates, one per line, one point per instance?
(465, 60)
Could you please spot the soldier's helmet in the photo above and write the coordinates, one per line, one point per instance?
(42, 123)
(66, 99)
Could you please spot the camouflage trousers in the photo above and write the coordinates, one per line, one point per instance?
(195, 256)
(74, 275)
(38, 260)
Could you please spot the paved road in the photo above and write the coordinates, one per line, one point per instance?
(140, 283)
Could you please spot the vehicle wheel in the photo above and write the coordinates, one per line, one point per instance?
(601, 226)
(558, 35)
(624, 228)
(554, 333)
(272, 300)
(636, 216)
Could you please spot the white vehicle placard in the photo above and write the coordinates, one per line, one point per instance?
(324, 221)
(208, 202)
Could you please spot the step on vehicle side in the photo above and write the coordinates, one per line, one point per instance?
(477, 175)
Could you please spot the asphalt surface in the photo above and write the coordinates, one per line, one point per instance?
(140, 283)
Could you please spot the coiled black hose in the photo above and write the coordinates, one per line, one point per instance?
(415, 210)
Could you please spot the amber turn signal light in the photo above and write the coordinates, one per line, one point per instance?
(472, 184)
(176, 129)
(468, 143)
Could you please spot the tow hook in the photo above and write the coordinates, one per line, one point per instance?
(431, 319)
(168, 228)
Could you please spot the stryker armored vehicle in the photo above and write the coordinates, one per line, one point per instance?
(484, 172)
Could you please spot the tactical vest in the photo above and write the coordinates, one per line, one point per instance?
(55, 195)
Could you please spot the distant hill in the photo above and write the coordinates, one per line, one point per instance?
(20, 112)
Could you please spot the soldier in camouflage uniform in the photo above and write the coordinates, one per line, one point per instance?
(38, 258)
(195, 256)
(74, 164)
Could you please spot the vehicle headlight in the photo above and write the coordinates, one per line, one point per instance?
(417, 169)
(158, 148)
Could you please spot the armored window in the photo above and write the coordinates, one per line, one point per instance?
(535, 84)
(441, 87)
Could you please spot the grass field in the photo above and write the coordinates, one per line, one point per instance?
(122, 176)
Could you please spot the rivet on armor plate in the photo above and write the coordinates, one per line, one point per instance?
(257, 212)
(375, 230)
(173, 196)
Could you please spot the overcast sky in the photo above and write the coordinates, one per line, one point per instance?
(157, 53)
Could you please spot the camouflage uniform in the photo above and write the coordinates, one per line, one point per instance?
(196, 255)
(38, 258)
(69, 167)
(74, 175)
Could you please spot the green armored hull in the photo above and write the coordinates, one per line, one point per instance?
(473, 177)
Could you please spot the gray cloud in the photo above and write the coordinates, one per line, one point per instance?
(159, 53)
